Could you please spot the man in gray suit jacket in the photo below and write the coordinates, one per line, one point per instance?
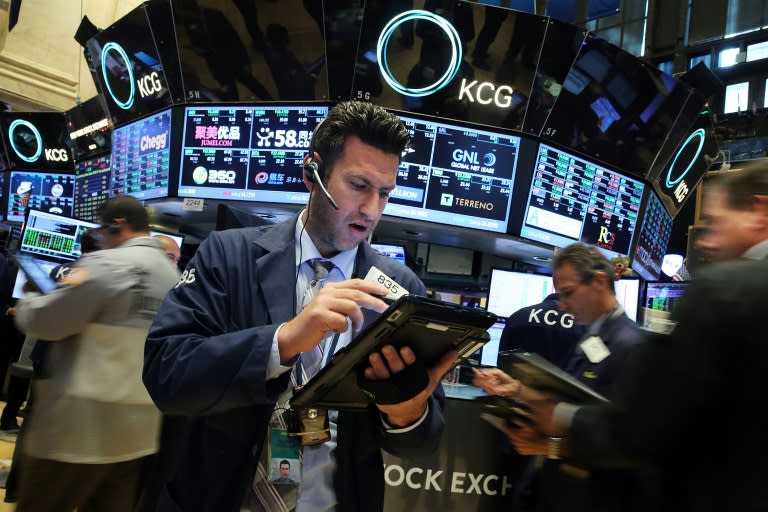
(689, 403)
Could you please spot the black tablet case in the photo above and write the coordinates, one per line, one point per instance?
(536, 372)
(430, 327)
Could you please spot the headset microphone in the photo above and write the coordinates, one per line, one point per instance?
(313, 169)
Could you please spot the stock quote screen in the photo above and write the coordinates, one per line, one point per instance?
(455, 175)
(247, 153)
(44, 191)
(572, 200)
(652, 242)
(141, 154)
(91, 186)
(53, 236)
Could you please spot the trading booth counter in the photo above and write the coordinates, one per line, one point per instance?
(474, 467)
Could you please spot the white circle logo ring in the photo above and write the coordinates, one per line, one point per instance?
(38, 139)
(111, 46)
(701, 136)
(383, 44)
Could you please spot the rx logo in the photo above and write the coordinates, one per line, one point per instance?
(264, 135)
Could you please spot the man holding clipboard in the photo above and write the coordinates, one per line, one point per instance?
(229, 341)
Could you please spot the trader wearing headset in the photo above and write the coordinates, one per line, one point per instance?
(226, 341)
(93, 420)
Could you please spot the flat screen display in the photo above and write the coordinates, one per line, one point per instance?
(141, 157)
(615, 107)
(36, 141)
(396, 252)
(89, 129)
(573, 200)
(92, 179)
(247, 153)
(47, 235)
(664, 296)
(254, 50)
(455, 175)
(653, 239)
(3, 206)
(129, 68)
(458, 60)
(50, 192)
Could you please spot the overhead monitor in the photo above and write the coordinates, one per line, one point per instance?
(253, 51)
(36, 141)
(615, 108)
(393, 251)
(419, 60)
(49, 236)
(661, 300)
(3, 202)
(247, 153)
(456, 175)
(50, 192)
(129, 68)
(89, 129)
(509, 290)
(92, 180)
(141, 157)
(574, 200)
(651, 246)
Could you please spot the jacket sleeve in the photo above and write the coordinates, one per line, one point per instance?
(196, 362)
(67, 310)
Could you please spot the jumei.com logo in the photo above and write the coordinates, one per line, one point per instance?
(217, 135)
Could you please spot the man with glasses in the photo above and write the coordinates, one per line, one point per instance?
(584, 280)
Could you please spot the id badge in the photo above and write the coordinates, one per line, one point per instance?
(284, 457)
(595, 349)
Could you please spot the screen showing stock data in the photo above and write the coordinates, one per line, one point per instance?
(572, 200)
(44, 191)
(247, 153)
(53, 236)
(91, 186)
(455, 175)
(141, 154)
(653, 239)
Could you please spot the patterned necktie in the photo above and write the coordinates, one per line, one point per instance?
(312, 360)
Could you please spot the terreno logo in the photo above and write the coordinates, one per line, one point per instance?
(148, 84)
(35, 132)
(383, 43)
(681, 188)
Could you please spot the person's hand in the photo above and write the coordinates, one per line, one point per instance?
(526, 439)
(495, 382)
(390, 361)
(335, 305)
(11, 311)
(542, 412)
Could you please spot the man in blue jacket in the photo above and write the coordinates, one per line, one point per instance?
(226, 339)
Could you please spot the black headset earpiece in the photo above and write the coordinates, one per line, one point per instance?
(312, 169)
(113, 228)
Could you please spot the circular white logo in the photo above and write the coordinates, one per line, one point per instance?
(383, 43)
(669, 182)
(112, 46)
(38, 140)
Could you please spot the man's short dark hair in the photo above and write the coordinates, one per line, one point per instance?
(586, 262)
(125, 207)
(370, 123)
(741, 186)
(285, 461)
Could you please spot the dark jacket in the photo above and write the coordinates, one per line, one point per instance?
(206, 358)
(690, 402)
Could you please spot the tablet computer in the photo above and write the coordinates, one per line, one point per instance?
(430, 327)
(536, 372)
(37, 275)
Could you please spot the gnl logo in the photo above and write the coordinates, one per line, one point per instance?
(676, 183)
(147, 84)
(51, 154)
(473, 90)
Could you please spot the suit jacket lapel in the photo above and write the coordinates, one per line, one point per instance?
(276, 269)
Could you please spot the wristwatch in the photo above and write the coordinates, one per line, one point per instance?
(553, 448)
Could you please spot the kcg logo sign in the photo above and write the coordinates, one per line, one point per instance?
(23, 130)
(473, 91)
(147, 84)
